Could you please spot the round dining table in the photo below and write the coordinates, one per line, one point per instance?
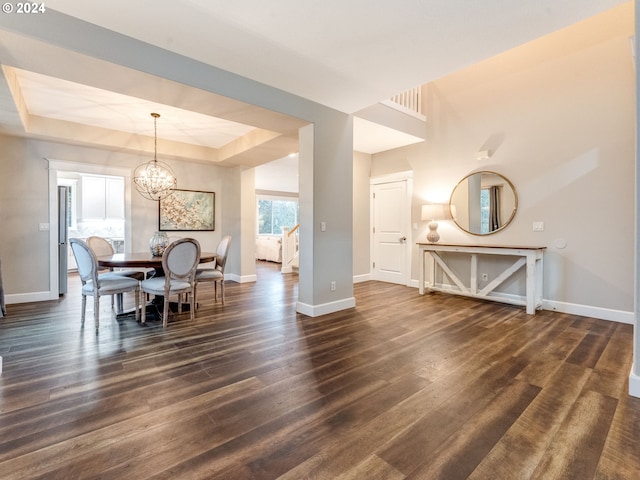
(143, 260)
(146, 260)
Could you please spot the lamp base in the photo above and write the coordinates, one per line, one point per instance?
(433, 236)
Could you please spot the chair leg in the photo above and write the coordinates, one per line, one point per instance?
(192, 305)
(84, 308)
(195, 294)
(165, 312)
(96, 310)
(222, 290)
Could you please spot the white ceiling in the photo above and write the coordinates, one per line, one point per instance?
(72, 102)
(345, 54)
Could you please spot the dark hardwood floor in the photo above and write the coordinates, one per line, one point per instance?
(401, 387)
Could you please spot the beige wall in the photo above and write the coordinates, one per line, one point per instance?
(558, 116)
(361, 216)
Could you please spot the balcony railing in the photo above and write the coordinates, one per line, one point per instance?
(409, 102)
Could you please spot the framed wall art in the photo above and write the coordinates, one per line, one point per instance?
(187, 210)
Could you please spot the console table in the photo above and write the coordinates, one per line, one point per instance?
(532, 257)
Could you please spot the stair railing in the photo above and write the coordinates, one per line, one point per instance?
(289, 248)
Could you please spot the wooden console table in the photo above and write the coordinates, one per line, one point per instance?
(532, 257)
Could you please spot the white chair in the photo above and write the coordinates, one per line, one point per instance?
(216, 274)
(179, 262)
(97, 285)
(101, 247)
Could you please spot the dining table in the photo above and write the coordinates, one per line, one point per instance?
(145, 260)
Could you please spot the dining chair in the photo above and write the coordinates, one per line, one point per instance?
(179, 262)
(97, 285)
(101, 247)
(216, 274)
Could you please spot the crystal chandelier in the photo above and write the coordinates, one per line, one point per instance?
(155, 180)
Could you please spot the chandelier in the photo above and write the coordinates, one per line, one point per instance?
(154, 180)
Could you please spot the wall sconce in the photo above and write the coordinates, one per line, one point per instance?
(432, 213)
(483, 155)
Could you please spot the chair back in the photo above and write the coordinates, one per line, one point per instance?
(100, 246)
(181, 258)
(86, 261)
(222, 252)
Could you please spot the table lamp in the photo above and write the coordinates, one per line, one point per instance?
(432, 213)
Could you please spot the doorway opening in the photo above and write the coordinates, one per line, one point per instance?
(94, 207)
(99, 201)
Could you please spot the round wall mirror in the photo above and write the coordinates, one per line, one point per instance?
(483, 203)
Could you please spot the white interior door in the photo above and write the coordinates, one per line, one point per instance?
(390, 232)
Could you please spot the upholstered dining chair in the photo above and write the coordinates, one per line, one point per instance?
(97, 285)
(216, 274)
(179, 262)
(101, 247)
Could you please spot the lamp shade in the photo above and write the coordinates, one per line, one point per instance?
(434, 211)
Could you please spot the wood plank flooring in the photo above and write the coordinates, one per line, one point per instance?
(401, 387)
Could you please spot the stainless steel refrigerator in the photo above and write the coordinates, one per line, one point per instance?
(63, 239)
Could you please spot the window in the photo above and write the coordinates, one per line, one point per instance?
(273, 214)
(485, 204)
(490, 209)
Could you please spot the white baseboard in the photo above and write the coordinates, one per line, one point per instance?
(325, 308)
(634, 384)
(620, 316)
(600, 313)
(361, 278)
(240, 278)
(30, 297)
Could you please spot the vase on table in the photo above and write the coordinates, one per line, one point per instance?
(158, 243)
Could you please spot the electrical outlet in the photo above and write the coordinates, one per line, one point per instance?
(333, 286)
(538, 226)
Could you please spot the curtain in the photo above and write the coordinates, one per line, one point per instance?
(494, 208)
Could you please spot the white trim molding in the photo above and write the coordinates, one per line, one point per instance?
(15, 298)
(234, 277)
(325, 308)
(634, 384)
(620, 316)
(600, 313)
(362, 278)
